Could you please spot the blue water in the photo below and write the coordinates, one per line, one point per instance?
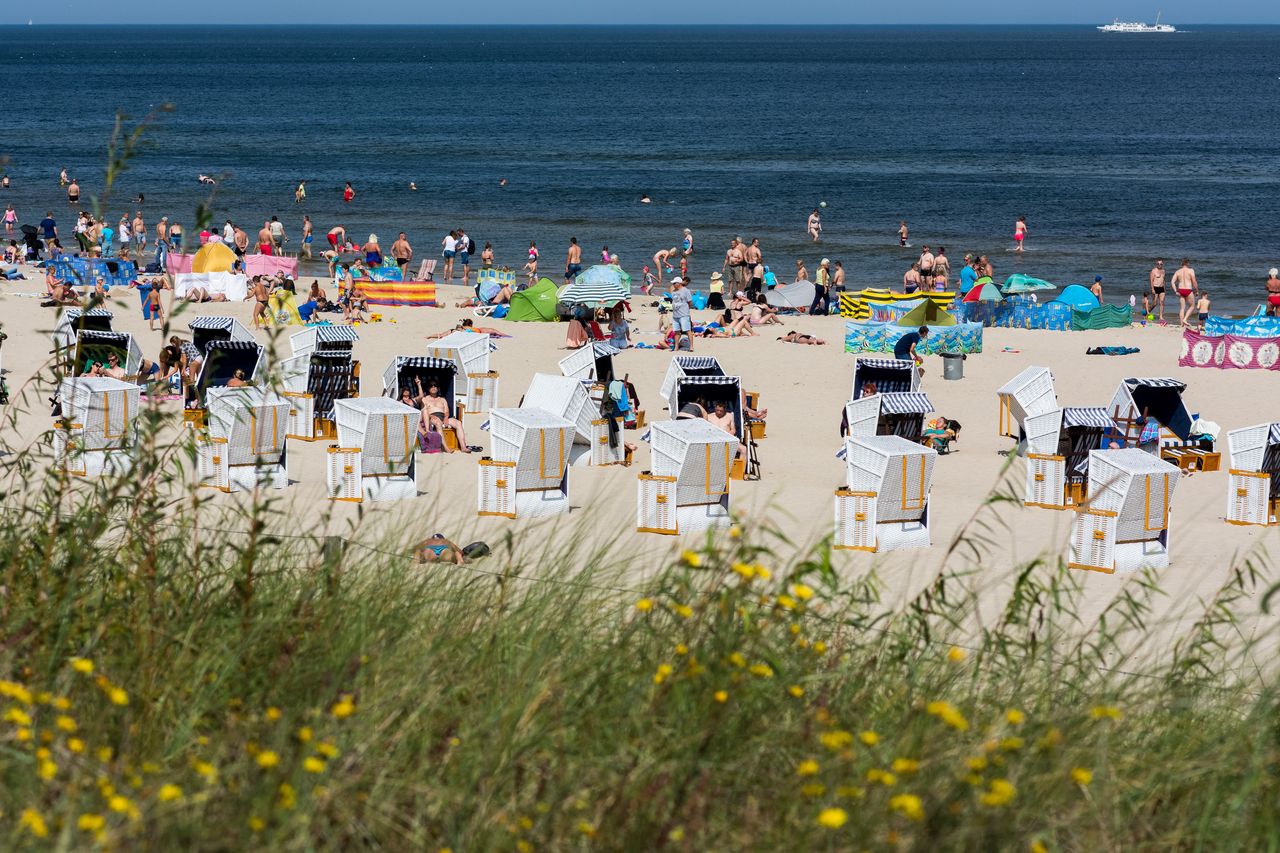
(1116, 148)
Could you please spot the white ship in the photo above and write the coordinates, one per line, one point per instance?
(1119, 26)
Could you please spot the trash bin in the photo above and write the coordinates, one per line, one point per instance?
(953, 365)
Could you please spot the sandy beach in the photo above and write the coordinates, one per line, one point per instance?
(803, 388)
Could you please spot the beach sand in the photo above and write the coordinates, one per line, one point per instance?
(804, 389)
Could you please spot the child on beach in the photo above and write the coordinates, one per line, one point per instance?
(1202, 309)
(157, 310)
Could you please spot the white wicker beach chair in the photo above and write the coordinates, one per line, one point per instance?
(900, 414)
(688, 365)
(1058, 444)
(95, 435)
(470, 352)
(884, 505)
(1253, 493)
(1125, 525)
(528, 472)
(566, 398)
(890, 375)
(1029, 393)
(688, 487)
(376, 455)
(243, 445)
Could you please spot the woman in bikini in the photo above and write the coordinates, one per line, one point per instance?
(1019, 233)
(800, 338)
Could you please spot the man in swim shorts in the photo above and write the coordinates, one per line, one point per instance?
(1156, 279)
(337, 236)
(573, 260)
(1184, 281)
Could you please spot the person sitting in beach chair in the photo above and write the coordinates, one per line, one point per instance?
(436, 414)
(940, 433)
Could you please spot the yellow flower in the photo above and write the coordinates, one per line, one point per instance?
(65, 723)
(761, 669)
(660, 676)
(33, 823)
(288, 796)
(117, 696)
(1037, 846)
(586, 829)
(734, 532)
(90, 822)
(257, 824)
(46, 769)
(327, 749)
(644, 605)
(684, 611)
(786, 602)
(763, 573)
(956, 654)
(313, 765)
(62, 703)
(169, 793)
(17, 716)
(344, 707)
(819, 647)
(1015, 717)
(23, 734)
(104, 754)
(267, 759)
(692, 558)
(523, 846)
(273, 713)
(869, 738)
(907, 805)
(83, 665)
(682, 649)
(835, 740)
(737, 659)
(75, 745)
(119, 804)
(722, 696)
(905, 765)
(977, 764)
(304, 734)
(850, 792)
(885, 778)
(1051, 738)
(802, 591)
(14, 690)
(833, 818)
(813, 789)
(1000, 793)
(796, 690)
(1106, 712)
(207, 770)
(808, 767)
(676, 835)
(744, 571)
(1081, 776)
(1011, 744)
(947, 713)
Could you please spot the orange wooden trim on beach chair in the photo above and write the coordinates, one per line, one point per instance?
(193, 417)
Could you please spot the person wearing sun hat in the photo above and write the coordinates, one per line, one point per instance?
(820, 289)
(715, 296)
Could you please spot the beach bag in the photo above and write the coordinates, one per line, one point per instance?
(500, 311)
(432, 442)
(475, 550)
(471, 246)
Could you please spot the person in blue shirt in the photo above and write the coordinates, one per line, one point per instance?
(905, 349)
(968, 275)
(48, 230)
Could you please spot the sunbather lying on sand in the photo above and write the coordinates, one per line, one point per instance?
(799, 338)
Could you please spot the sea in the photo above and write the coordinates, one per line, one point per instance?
(1116, 148)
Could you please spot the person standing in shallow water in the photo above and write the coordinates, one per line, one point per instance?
(348, 193)
(1019, 234)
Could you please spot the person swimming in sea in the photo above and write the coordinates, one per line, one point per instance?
(644, 199)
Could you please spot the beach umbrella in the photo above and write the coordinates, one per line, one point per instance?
(1020, 283)
(596, 291)
(605, 274)
(984, 293)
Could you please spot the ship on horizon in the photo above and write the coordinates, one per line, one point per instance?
(1119, 26)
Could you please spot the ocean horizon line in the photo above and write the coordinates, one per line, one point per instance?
(629, 26)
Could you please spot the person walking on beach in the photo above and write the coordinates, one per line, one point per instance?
(1273, 292)
(403, 253)
(821, 305)
(1202, 310)
(1184, 281)
(681, 301)
(572, 260)
(261, 298)
(10, 219)
(278, 237)
(465, 247)
(450, 248)
(1156, 280)
(308, 234)
(902, 233)
(348, 193)
(814, 225)
(1019, 233)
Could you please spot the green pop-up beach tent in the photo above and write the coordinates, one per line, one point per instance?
(535, 305)
(927, 313)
